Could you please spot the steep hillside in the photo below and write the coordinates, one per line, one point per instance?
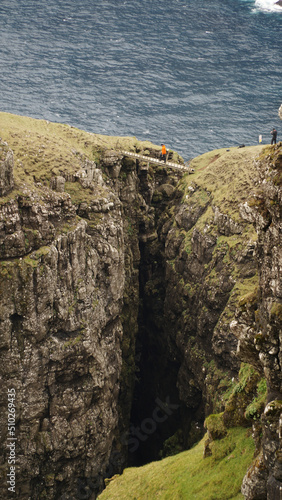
(188, 475)
(130, 296)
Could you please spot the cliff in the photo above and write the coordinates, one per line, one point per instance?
(130, 295)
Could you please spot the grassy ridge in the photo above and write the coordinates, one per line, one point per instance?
(188, 475)
(43, 149)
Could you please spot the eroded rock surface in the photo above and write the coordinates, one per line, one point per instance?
(61, 298)
(6, 169)
(260, 335)
(135, 294)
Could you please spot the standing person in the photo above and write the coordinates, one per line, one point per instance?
(274, 135)
(163, 153)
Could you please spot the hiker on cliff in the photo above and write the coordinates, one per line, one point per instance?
(274, 135)
(163, 153)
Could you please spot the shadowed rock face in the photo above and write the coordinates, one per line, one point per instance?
(61, 298)
(6, 169)
(69, 307)
(264, 479)
(143, 276)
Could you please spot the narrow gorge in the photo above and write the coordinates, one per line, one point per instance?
(140, 307)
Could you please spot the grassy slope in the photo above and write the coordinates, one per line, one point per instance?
(228, 175)
(43, 149)
(188, 475)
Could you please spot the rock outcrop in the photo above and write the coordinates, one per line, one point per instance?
(260, 339)
(6, 169)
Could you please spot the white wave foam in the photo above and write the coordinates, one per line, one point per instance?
(268, 5)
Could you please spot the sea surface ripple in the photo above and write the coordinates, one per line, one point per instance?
(193, 74)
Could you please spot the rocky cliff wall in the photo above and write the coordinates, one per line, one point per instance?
(69, 320)
(123, 296)
(195, 270)
(62, 287)
(260, 335)
(211, 275)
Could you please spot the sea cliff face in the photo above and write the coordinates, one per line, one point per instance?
(260, 340)
(62, 285)
(69, 310)
(130, 291)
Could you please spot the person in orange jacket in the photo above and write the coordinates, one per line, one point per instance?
(163, 153)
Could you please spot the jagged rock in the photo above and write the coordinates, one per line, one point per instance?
(254, 483)
(225, 224)
(6, 169)
(265, 336)
(112, 161)
(58, 184)
(30, 221)
(202, 246)
(187, 216)
(61, 338)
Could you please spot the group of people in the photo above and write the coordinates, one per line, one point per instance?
(273, 132)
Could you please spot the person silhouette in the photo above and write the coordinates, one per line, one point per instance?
(274, 135)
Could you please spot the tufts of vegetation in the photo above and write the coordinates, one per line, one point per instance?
(228, 175)
(256, 407)
(276, 311)
(247, 399)
(215, 426)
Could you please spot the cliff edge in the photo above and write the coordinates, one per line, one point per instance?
(140, 307)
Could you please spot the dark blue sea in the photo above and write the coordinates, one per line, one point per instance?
(194, 74)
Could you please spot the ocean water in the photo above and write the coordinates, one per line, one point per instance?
(194, 74)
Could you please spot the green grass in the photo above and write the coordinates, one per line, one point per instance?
(227, 175)
(43, 149)
(188, 475)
